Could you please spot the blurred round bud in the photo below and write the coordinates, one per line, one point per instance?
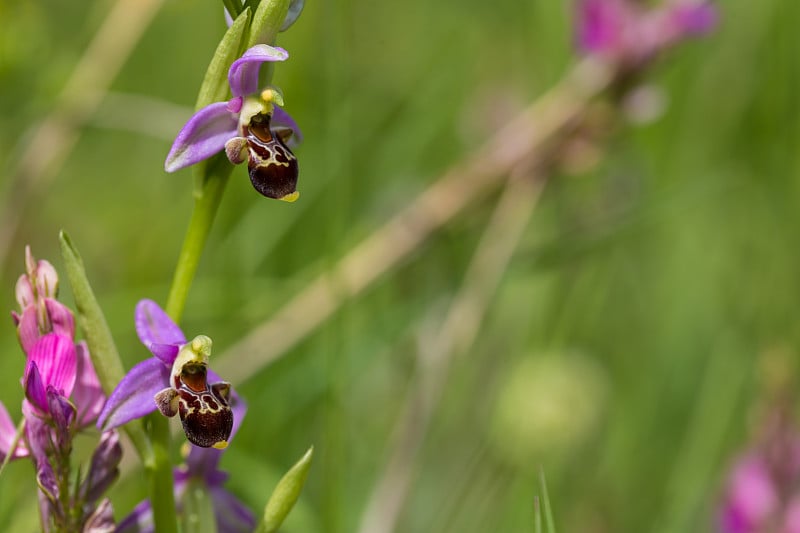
(547, 405)
(644, 104)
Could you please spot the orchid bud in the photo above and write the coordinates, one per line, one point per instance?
(24, 292)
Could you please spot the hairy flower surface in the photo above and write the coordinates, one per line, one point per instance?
(175, 380)
(249, 127)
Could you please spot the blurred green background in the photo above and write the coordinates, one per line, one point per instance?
(626, 349)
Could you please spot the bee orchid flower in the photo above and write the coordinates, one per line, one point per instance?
(249, 127)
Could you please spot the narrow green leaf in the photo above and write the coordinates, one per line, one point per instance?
(537, 515)
(215, 84)
(548, 511)
(285, 494)
(102, 350)
(267, 21)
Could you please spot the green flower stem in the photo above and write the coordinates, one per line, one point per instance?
(160, 481)
(207, 199)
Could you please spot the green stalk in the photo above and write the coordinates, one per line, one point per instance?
(211, 178)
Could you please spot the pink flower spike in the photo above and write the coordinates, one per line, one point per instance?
(87, 395)
(55, 357)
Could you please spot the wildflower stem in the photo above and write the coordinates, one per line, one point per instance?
(207, 199)
(162, 498)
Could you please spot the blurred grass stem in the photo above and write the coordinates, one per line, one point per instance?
(453, 339)
(524, 139)
(45, 148)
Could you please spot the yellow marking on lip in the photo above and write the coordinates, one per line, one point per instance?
(291, 197)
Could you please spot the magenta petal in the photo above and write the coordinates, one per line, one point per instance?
(28, 328)
(61, 318)
(55, 356)
(139, 521)
(88, 394)
(154, 326)
(133, 397)
(165, 352)
(695, 18)
(243, 74)
(203, 136)
(7, 433)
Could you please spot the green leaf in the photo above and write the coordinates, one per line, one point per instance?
(215, 84)
(548, 511)
(267, 21)
(285, 494)
(102, 350)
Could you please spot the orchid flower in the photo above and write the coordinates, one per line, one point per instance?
(201, 467)
(248, 127)
(174, 380)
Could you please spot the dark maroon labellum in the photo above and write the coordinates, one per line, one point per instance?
(204, 410)
(272, 166)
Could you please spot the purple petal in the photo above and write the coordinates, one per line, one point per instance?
(35, 390)
(133, 397)
(243, 74)
(56, 360)
(203, 136)
(139, 521)
(7, 433)
(61, 318)
(101, 520)
(62, 413)
(693, 18)
(600, 24)
(154, 326)
(104, 468)
(165, 352)
(281, 119)
(88, 393)
(232, 515)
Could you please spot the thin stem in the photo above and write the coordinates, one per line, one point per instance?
(205, 209)
(162, 498)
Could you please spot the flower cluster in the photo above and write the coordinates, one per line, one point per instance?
(629, 33)
(763, 490)
(62, 396)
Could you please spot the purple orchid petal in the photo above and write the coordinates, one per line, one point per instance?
(281, 119)
(243, 74)
(56, 360)
(101, 520)
(104, 468)
(61, 318)
(601, 24)
(35, 390)
(28, 328)
(133, 397)
(7, 433)
(232, 515)
(139, 521)
(87, 395)
(203, 136)
(154, 326)
(165, 352)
